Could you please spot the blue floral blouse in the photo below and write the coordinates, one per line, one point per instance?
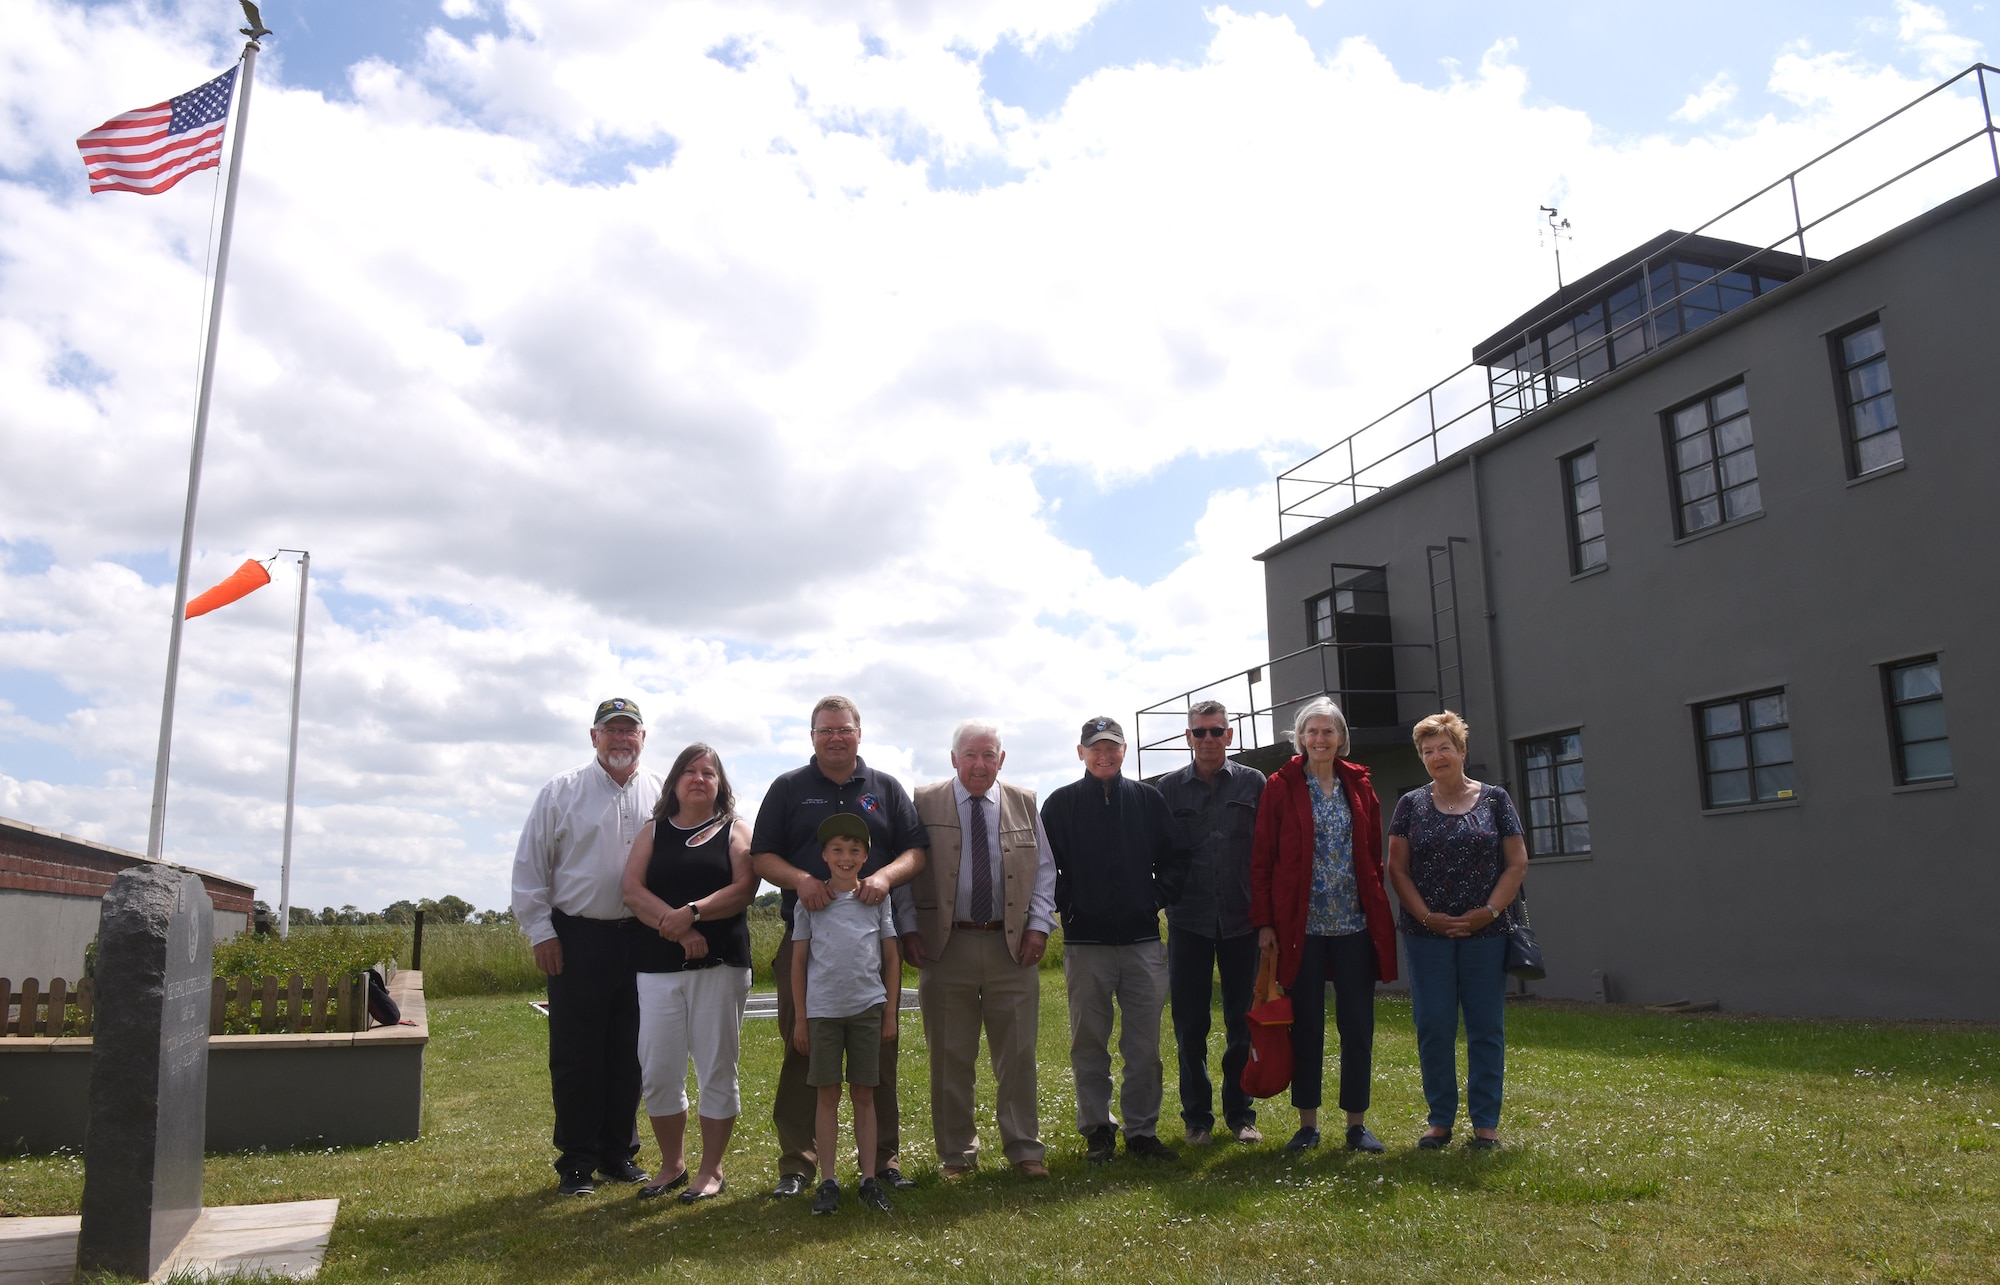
(1454, 860)
(1336, 901)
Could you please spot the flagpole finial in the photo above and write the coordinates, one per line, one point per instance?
(256, 30)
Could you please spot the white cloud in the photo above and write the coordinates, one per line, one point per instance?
(1924, 30)
(729, 432)
(1706, 101)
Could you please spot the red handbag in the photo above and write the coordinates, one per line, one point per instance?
(1269, 1071)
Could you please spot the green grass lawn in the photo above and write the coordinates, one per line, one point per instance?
(1641, 1148)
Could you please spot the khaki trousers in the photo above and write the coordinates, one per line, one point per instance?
(795, 1113)
(977, 981)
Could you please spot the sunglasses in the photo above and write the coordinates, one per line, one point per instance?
(1199, 732)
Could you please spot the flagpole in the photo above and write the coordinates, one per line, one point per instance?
(157, 827)
(292, 765)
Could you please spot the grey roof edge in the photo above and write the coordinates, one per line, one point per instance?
(1937, 214)
(9, 823)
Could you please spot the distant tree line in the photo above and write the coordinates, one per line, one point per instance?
(443, 910)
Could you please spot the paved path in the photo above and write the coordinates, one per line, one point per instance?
(287, 1239)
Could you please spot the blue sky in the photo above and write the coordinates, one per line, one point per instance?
(727, 354)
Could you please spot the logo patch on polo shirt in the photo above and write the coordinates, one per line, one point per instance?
(871, 803)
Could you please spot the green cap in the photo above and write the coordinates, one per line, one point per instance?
(843, 825)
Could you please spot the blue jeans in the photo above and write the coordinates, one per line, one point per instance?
(1450, 976)
(1192, 962)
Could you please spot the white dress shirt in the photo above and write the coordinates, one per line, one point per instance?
(573, 849)
(1041, 902)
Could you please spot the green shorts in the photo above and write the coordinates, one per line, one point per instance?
(860, 1037)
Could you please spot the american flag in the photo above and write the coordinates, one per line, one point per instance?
(149, 150)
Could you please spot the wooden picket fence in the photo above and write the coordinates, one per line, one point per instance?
(237, 1006)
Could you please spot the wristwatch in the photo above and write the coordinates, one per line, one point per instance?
(694, 908)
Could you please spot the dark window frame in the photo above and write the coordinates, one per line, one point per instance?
(1844, 372)
(1313, 605)
(1711, 438)
(1561, 833)
(1577, 512)
(1893, 706)
(1756, 760)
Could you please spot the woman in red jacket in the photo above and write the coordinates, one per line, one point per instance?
(1317, 899)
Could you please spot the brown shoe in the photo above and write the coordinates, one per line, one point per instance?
(1199, 1137)
(952, 1173)
(1031, 1169)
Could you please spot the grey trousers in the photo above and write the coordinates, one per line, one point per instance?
(1136, 978)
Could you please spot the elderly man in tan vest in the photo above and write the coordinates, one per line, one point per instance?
(985, 903)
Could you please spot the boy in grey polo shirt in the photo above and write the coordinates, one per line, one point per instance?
(847, 973)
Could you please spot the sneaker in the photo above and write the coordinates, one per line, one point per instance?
(576, 1184)
(1359, 1139)
(622, 1170)
(828, 1199)
(893, 1177)
(789, 1185)
(1306, 1139)
(1199, 1137)
(1148, 1147)
(1245, 1133)
(873, 1197)
(1101, 1143)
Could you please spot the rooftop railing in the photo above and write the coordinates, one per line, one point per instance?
(1851, 200)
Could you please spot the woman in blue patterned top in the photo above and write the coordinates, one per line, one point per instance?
(1456, 858)
(1317, 899)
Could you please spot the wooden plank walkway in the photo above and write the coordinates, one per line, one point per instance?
(287, 1239)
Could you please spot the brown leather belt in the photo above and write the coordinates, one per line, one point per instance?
(968, 926)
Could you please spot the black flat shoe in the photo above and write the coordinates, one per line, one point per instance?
(693, 1197)
(1434, 1141)
(1359, 1139)
(1484, 1144)
(654, 1191)
(1306, 1139)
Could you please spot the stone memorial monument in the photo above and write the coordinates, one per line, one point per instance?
(148, 1072)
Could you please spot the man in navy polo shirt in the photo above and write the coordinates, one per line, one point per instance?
(786, 850)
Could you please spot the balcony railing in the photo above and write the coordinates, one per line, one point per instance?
(1158, 730)
(1851, 200)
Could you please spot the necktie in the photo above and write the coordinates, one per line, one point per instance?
(982, 865)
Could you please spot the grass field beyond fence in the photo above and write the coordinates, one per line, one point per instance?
(1641, 1148)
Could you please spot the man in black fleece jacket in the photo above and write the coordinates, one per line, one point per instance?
(1118, 861)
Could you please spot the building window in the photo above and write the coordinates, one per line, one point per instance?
(1746, 750)
(1715, 464)
(1319, 619)
(1558, 816)
(1916, 720)
(1873, 439)
(1586, 511)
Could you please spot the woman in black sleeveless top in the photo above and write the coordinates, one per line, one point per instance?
(688, 881)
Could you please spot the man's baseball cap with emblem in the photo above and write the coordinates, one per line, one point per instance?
(618, 707)
(1102, 728)
(843, 825)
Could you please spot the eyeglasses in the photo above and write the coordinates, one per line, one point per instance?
(835, 731)
(1199, 732)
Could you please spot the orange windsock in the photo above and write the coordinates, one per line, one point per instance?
(250, 576)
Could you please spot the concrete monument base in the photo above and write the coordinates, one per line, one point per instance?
(286, 1240)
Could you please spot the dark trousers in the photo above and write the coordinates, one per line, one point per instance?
(795, 1110)
(1348, 961)
(593, 1046)
(1192, 962)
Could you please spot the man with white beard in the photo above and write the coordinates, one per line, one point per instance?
(567, 899)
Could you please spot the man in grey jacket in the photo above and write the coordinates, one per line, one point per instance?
(1214, 805)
